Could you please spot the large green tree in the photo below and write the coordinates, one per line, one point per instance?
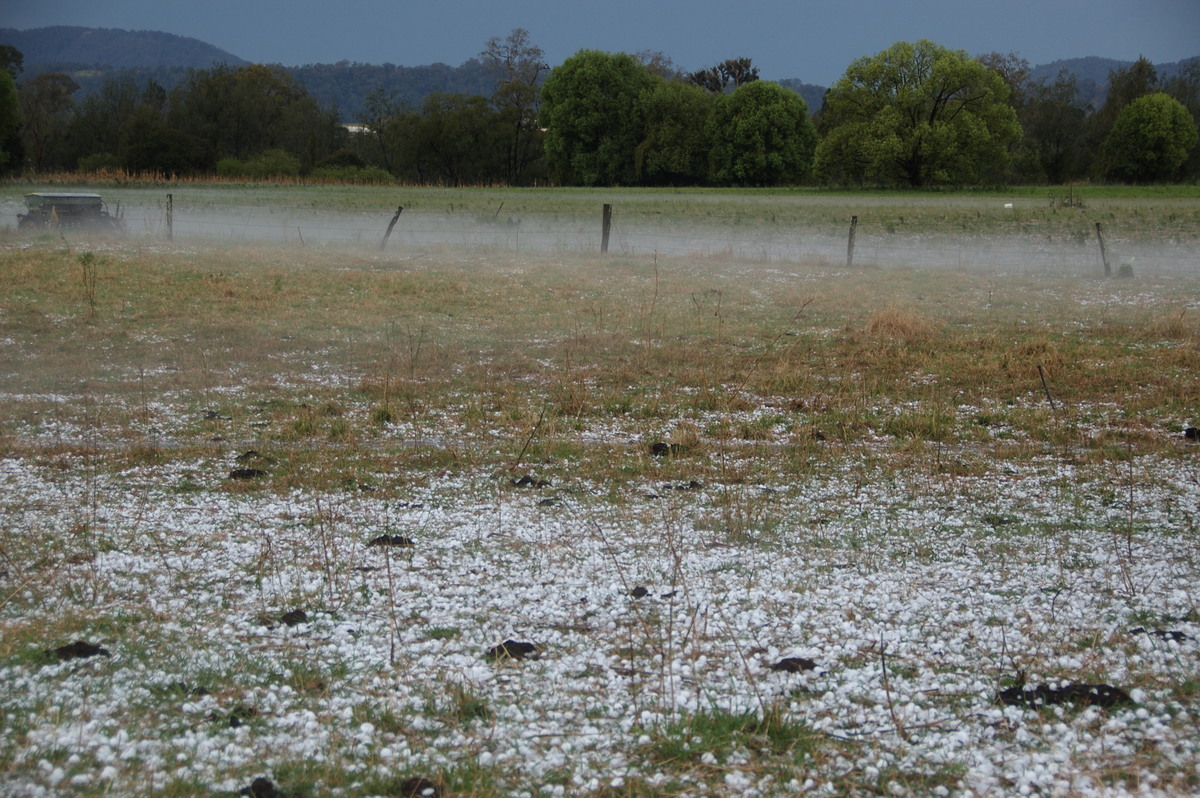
(761, 136)
(1150, 141)
(590, 111)
(916, 114)
(675, 146)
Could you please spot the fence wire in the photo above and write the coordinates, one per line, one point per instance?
(734, 239)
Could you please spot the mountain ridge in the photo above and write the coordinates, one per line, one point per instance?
(114, 47)
(92, 55)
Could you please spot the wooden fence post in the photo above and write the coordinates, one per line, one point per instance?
(391, 224)
(170, 217)
(605, 228)
(1103, 254)
(850, 243)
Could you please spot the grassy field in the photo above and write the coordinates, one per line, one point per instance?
(667, 473)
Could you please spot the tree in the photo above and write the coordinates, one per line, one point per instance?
(761, 136)
(458, 140)
(916, 114)
(726, 76)
(1150, 140)
(12, 60)
(675, 146)
(518, 66)
(1124, 86)
(590, 112)
(657, 63)
(10, 119)
(1053, 120)
(97, 123)
(1014, 70)
(245, 111)
(149, 144)
(1185, 87)
(46, 102)
(380, 115)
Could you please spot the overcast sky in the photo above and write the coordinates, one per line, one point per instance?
(804, 39)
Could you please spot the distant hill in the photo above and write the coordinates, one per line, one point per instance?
(1091, 74)
(814, 96)
(346, 85)
(92, 55)
(110, 47)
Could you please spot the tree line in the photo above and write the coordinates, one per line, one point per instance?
(916, 114)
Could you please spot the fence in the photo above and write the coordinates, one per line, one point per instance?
(638, 236)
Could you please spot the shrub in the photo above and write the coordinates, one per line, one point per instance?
(272, 163)
(342, 158)
(352, 174)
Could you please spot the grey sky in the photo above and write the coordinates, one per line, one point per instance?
(812, 41)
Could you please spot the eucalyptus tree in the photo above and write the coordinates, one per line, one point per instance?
(519, 67)
(10, 120)
(46, 103)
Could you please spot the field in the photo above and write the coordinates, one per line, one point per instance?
(488, 513)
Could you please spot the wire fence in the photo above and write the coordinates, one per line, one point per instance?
(641, 235)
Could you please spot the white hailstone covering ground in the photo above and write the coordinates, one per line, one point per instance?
(959, 581)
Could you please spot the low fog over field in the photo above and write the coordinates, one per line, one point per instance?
(1001, 231)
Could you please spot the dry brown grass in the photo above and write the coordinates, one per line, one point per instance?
(907, 326)
(467, 346)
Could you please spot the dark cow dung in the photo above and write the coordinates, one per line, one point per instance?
(639, 592)
(794, 665)
(664, 449)
(391, 540)
(247, 473)
(80, 649)
(1101, 695)
(190, 691)
(418, 787)
(512, 649)
(1192, 434)
(690, 485)
(261, 788)
(1171, 635)
(529, 482)
(294, 617)
(239, 715)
